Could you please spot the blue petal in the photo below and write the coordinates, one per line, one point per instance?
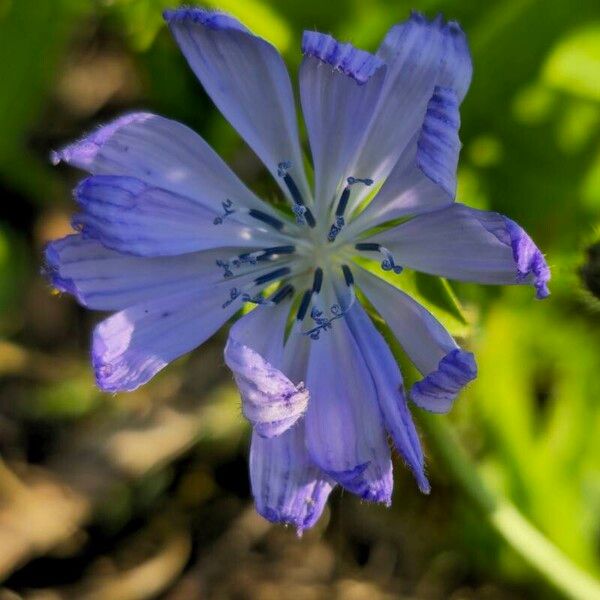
(390, 392)
(84, 152)
(161, 153)
(103, 279)
(339, 87)
(437, 391)
(129, 215)
(255, 354)
(131, 346)
(345, 434)
(287, 487)
(531, 264)
(247, 79)
(423, 338)
(456, 67)
(424, 178)
(419, 55)
(463, 243)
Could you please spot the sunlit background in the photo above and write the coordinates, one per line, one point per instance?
(143, 495)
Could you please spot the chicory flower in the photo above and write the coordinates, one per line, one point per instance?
(175, 244)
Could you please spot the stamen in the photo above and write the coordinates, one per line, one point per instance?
(388, 263)
(324, 323)
(226, 204)
(234, 294)
(304, 304)
(317, 280)
(224, 264)
(276, 274)
(348, 277)
(302, 212)
(335, 229)
(265, 218)
(252, 258)
(282, 293)
(258, 299)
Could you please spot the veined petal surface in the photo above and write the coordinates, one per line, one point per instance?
(339, 87)
(248, 81)
(162, 153)
(345, 434)
(104, 279)
(131, 216)
(467, 244)
(390, 392)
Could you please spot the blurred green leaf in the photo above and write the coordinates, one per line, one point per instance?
(33, 37)
(574, 64)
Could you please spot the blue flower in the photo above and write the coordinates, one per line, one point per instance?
(175, 244)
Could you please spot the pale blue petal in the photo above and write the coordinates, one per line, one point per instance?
(162, 153)
(247, 79)
(131, 346)
(103, 279)
(445, 367)
(469, 245)
(424, 178)
(419, 55)
(255, 354)
(456, 66)
(129, 215)
(339, 88)
(287, 487)
(345, 433)
(390, 392)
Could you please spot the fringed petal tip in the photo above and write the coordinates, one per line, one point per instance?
(270, 401)
(456, 66)
(212, 19)
(452, 27)
(436, 392)
(530, 262)
(83, 152)
(353, 62)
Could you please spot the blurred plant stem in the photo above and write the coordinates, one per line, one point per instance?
(554, 566)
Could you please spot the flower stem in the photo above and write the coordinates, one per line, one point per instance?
(550, 562)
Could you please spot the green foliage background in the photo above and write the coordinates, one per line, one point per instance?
(531, 421)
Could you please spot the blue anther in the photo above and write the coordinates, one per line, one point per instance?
(234, 294)
(226, 204)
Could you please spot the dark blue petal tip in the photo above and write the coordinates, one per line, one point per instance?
(439, 145)
(362, 482)
(531, 264)
(355, 63)
(436, 392)
(211, 19)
